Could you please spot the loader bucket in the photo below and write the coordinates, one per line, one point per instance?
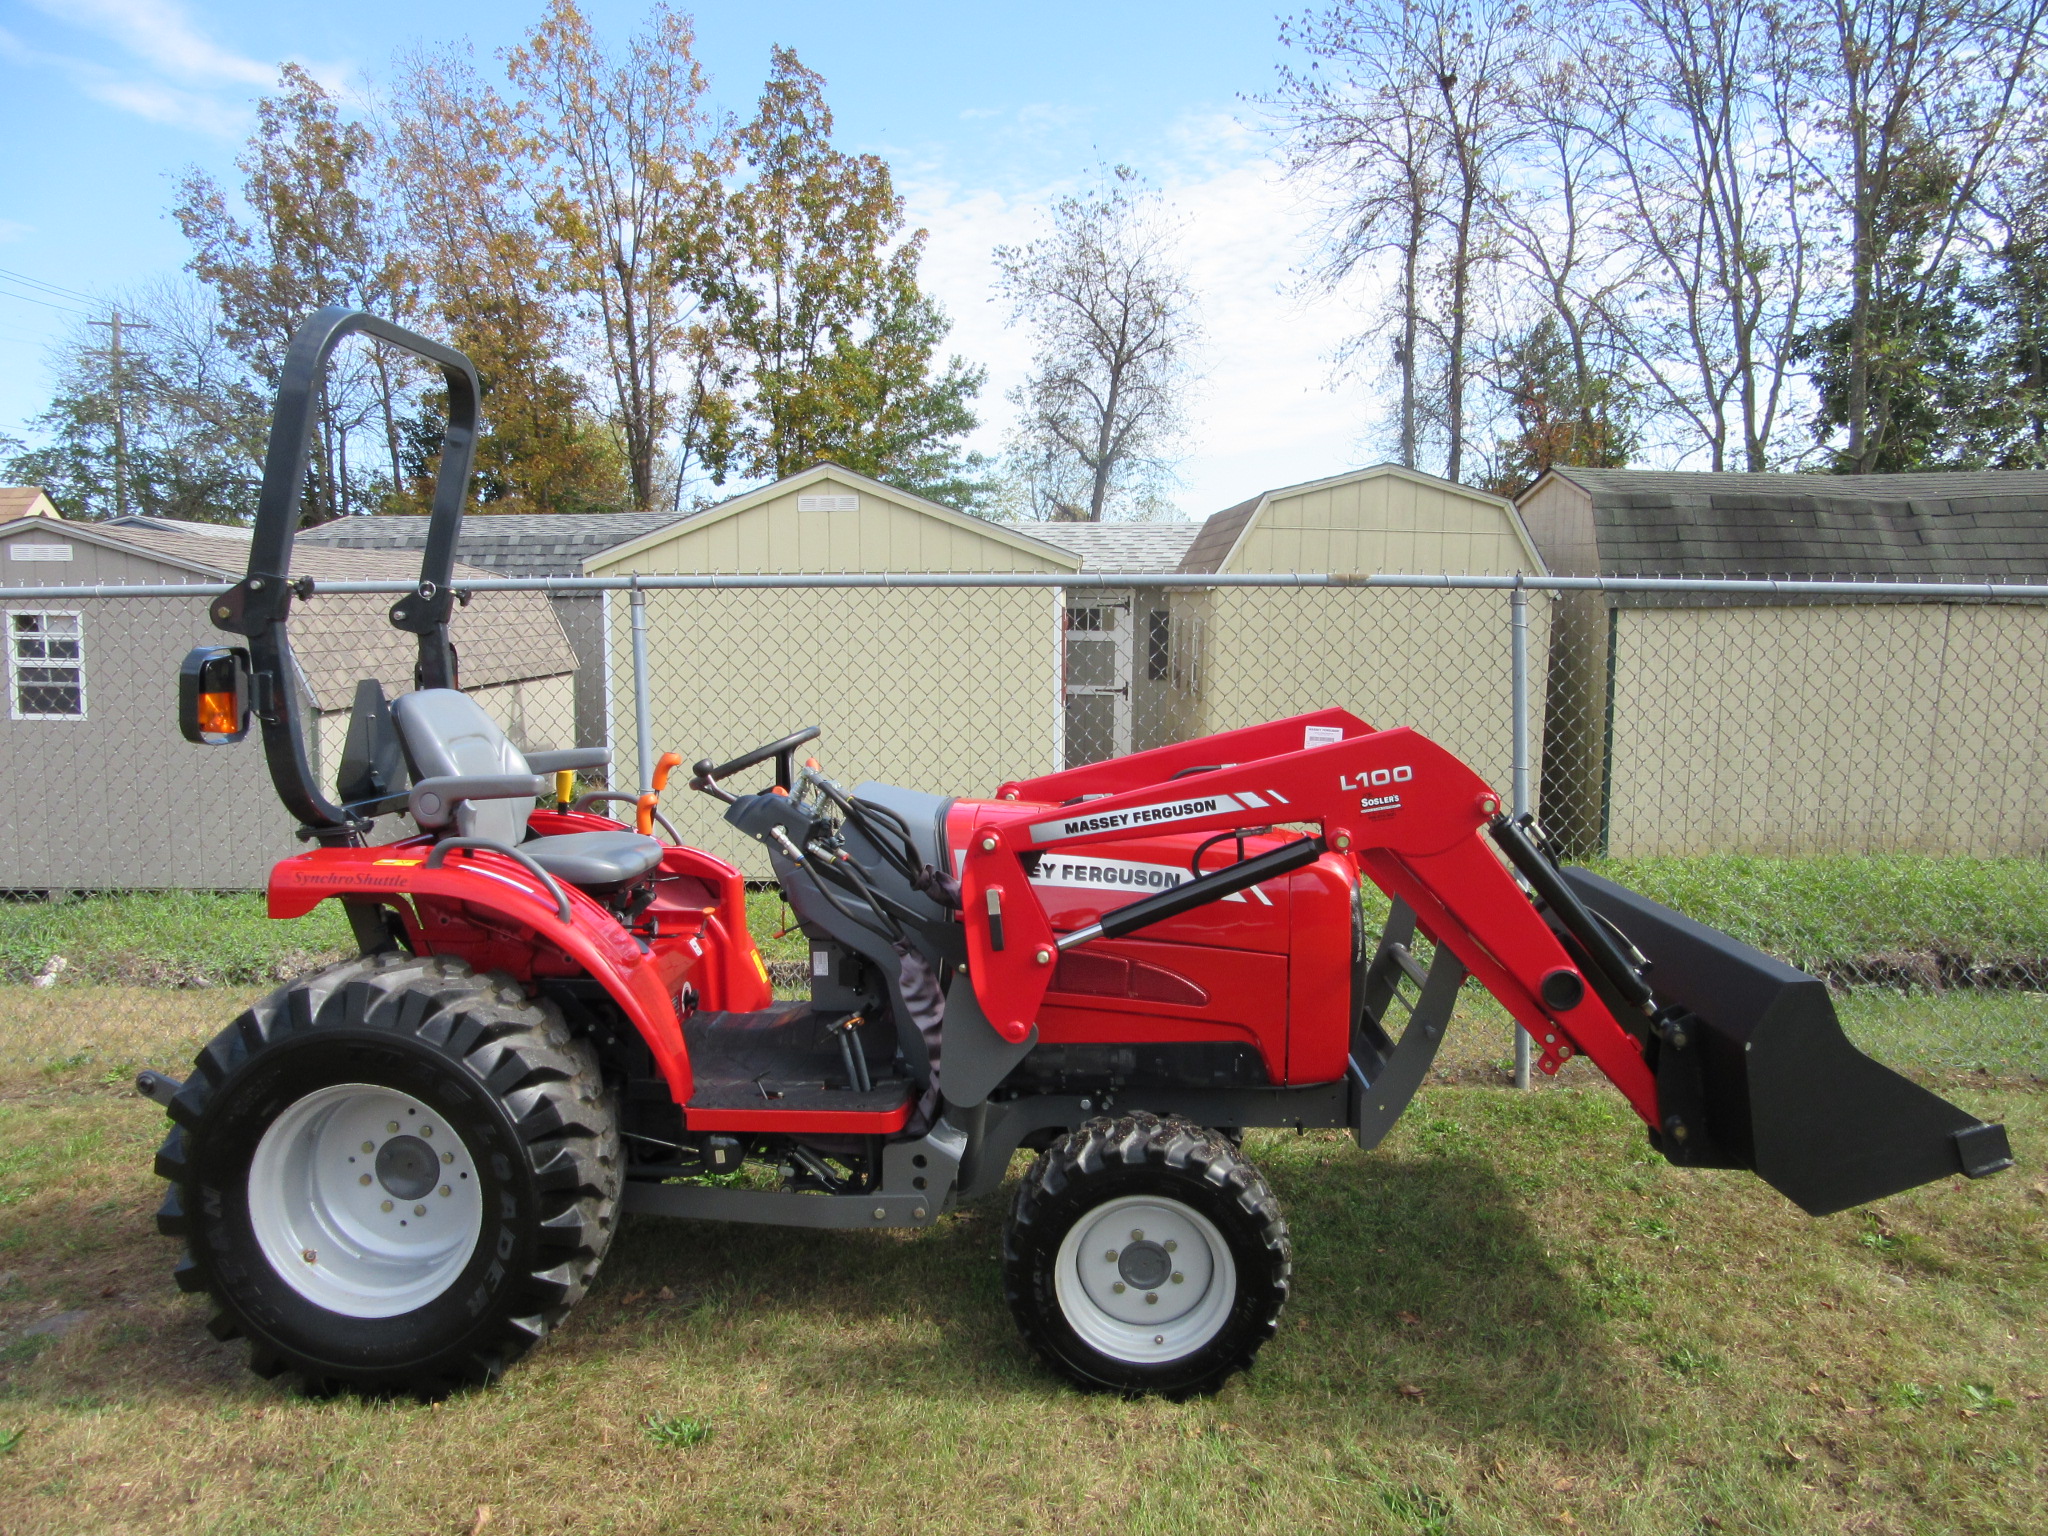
(1762, 1076)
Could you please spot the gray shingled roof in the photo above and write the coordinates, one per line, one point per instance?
(1664, 523)
(1219, 535)
(340, 637)
(508, 544)
(1116, 549)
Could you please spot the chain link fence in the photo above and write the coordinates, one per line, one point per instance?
(1687, 726)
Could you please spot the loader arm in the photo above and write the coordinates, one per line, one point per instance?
(1408, 813)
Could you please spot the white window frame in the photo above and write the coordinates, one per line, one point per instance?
(15, 662)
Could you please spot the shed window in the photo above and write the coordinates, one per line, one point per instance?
(46, 665)
(1158, 645)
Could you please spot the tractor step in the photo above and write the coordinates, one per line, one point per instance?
(786, 1069)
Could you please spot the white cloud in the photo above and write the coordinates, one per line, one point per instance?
(1269, 412)
(161, 35)
(174, 73)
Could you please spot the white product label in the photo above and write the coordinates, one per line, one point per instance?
(1320, 735)
(1133, 818)
(821, 962)
(39, 551)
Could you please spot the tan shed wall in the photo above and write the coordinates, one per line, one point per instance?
(1383, 522)
(1843, 729)
(950, 691)
(1434, 660)
(946, 691)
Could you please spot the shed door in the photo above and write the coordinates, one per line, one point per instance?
(1099, 655)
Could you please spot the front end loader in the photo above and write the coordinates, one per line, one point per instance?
(400, 1172)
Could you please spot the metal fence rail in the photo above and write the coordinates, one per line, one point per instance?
(1635, 717)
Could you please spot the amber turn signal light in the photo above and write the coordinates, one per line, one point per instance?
(213, 695)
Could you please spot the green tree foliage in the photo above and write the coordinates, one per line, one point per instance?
(1912, 350)
(174, 428)
(1565, 412)
(832, 347)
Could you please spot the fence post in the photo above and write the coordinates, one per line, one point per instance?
(643, 697)
(1518, 691)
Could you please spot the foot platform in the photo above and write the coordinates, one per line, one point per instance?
(785, 1069)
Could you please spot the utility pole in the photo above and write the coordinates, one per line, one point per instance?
(114, 326)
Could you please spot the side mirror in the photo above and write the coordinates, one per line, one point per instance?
(213, 695)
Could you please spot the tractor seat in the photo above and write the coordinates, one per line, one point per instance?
(594, 859)
(448, 733)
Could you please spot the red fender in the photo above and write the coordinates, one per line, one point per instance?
(499, 886)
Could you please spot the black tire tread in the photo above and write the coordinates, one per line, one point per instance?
(548, 1080)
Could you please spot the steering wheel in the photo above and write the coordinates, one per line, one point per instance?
(705, 775)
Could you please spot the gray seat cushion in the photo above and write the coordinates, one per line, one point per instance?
(594, 858)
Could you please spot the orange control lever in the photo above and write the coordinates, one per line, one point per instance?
(669, 762)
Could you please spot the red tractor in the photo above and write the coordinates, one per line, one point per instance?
(401, 1171)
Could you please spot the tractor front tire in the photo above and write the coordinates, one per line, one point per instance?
(1146, 1255)
(393, 1175)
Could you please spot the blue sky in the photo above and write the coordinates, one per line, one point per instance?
(986, 113)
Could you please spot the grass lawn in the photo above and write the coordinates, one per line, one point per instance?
(1511, 1318)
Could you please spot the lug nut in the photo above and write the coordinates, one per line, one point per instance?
(385, 1206)
(1178, 1277)
(426, 1130)
(364, 1179)
(1118, 1287)
(1151, 1298)
(419, 1210)
(393, 1126)
(369, 1146)
(1172, 1246)
(1137, 1234)
(1109, 1257)
(447, 1157)
(446, 1191)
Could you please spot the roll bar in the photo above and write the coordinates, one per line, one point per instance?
(259, 606)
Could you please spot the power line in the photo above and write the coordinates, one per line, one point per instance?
(55, 288)
(29, 298)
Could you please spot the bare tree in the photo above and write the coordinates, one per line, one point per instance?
(1695, 103)
(1364, 132)
(1413, 128)
(1112, 317)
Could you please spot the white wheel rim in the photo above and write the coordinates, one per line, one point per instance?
(1145, 1280)
(365, 1200)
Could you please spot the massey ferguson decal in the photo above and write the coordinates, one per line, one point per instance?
(1130, 876)
(1082, 824)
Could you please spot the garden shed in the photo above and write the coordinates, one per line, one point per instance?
(1434, 659)
(92, 701)
(944, 689)
(1788, 725)
(524, 544)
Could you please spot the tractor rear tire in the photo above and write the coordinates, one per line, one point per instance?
(393, 1175)
(1146, 1256)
